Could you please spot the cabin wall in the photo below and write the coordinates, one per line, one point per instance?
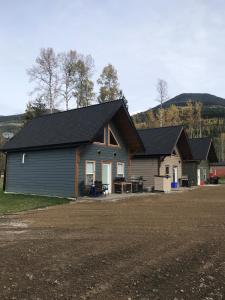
(107, 153)
(147, 168)
(46, 172)
(218, 170)
(171, 161)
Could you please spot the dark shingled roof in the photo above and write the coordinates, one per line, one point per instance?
(161, 141)
(70, 127)
(203, 149)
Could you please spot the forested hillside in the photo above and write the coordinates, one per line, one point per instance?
(201, 114)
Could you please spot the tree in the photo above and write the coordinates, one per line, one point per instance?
(68, 67)
(162, 89)
(151, 119)
(198, 118)
(84, 86)
(45, 74)
(109, 85)
(172, 116)
(34, 109)
(123, 98)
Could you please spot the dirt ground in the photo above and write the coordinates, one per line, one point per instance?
(160, 247)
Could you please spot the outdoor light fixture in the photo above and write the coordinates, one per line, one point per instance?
(99, 152)
(114, 153)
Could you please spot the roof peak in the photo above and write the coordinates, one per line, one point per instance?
(78, 108)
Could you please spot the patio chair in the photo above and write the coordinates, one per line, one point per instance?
(98, 189)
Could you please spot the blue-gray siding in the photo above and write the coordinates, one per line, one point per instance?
(47, 172)
(113, 154)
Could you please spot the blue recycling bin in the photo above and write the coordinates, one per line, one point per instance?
(174, 185)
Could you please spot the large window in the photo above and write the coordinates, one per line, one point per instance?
(90, 172)
(112, 141)
(100, 139)
(120, 169)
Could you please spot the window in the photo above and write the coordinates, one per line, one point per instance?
(120, 169)
(112, 139)
(101, 137)
(23, 158)
(167, 170)
(90, 172)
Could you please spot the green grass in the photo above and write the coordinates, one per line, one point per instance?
(11, 203)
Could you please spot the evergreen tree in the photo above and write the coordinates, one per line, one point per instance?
(35, 109)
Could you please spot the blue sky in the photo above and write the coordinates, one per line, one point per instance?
(180, 41)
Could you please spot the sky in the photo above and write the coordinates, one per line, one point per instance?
(182, 42)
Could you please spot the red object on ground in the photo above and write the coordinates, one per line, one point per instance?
(218, 171)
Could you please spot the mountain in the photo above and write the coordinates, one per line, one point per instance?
(206, 99)
(213, 106)
(10, 124)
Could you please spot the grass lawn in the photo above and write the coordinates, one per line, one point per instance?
(10, 203)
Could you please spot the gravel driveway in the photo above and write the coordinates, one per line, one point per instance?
(168, 246)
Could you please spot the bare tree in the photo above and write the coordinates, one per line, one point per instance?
(45, 74)
(84, 86)
(162, 89)
(68, 67)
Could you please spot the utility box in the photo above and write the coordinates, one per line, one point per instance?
(162, 184)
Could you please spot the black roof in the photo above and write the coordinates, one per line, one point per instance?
(69, 127)
(161, 141)
(203, 149)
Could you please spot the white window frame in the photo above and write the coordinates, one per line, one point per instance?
(23, 158)
(117, 169)
(94, 171)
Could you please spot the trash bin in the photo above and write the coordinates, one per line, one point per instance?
(174, 185)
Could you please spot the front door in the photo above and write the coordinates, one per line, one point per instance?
(175, 174)
(107, 175)
(198, 176)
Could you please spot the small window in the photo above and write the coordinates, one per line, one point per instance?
(23, 158)
(101, 137)
(120, 169)
(167, 170)
(90, 172)
(112, 139)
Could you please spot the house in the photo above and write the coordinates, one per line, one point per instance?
(204, 153)
(62, 154)
(218, 169)
(165, 150)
